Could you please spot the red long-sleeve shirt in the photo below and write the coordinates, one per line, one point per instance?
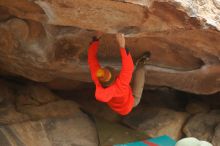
(118, 96)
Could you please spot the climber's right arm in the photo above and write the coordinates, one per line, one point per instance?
(92, 58)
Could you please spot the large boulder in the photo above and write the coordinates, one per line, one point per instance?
(157, 121)
(216, 138)
(202, 125)
(75, 131)
(32, 115)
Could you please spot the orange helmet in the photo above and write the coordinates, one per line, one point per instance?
(106, 76)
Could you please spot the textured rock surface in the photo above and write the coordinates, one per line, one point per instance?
(163, 97)
(202, 9)
(202, 125)
(195, 107)
(47, 40)
(31, 115)
(213, 100)
(112, 133)
(76, 131)
(216, 138)
(157, 121)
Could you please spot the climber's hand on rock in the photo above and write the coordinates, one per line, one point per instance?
(121, 40)
(97, 36)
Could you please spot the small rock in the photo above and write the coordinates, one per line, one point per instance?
(216, 138)
(157, 121)
(202, 125)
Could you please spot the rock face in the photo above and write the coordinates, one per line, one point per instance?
(202, 125)
(157, 121)
(163, 97)
(45, 40)
(31, 115)
(49, 132)
(216, 137)
(195, 107)
(111, 133)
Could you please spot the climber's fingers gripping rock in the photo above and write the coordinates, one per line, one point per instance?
(121, 40)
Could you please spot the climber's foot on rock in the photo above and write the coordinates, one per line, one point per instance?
(144, 58)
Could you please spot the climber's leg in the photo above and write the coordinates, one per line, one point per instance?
(138, 84)
(139, 77)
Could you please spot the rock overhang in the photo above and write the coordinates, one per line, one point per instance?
(49, 39)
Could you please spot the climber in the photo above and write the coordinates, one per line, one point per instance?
(111, 88)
